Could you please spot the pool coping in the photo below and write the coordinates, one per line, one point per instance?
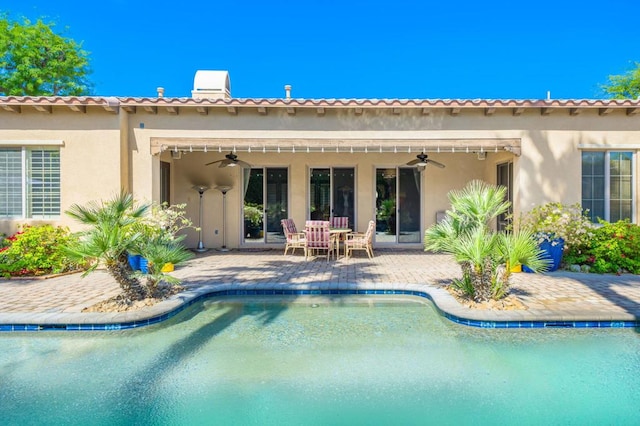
(444, 302)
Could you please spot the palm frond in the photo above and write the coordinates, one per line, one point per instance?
(479, 202)
(438, 237)
(475, 246)
(159, 252)
(521, 248)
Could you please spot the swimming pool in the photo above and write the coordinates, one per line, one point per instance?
(339, 360)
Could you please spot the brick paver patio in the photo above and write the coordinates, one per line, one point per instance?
(554, 296)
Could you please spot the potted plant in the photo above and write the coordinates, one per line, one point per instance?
(558, 228)
(387, 213)
(253, 214)
(160, 227)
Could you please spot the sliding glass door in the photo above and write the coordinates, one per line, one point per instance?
(398, 200)
(331, 193)
(266, 192)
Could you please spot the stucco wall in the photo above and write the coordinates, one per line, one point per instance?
(89, 157)
(548, 170)
(104, 152)
(191, 170)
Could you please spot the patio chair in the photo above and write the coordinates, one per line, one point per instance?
(361, 241)
(294, 239)
(339, 222)
(318, 237)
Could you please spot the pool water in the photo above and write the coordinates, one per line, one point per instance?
(346, 360)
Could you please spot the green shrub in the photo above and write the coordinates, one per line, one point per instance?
(556, 220)
(36, 250)
(4, 242)
(614, 248)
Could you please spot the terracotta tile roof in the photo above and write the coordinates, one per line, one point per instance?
(58, 100)
(112, 102)
(387, 103)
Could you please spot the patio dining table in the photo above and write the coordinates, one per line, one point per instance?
(340, 234)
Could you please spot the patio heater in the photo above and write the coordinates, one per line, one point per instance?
(201, 189)
(224, 189)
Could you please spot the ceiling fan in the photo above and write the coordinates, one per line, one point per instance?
(230, 160)
(422, 160)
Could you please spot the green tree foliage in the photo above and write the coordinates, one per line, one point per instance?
(35, 61)
(625, 86)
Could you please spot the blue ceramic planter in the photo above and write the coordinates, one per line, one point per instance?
(144, 265)
(134, 261)
(553, 251)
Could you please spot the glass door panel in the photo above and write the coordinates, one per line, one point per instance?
(505, 178)
(343, 194)
(398, 201)
(165, 182)
(320, 194)
(276, 208)
(409, 205)
(253, 206)
(332, 193)
(386, 205)
(265, 204)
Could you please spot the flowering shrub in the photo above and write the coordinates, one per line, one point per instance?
(165, 221)
(555, 220)
(615, 248)
(36, 250)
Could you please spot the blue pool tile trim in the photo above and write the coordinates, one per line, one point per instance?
(300, 292)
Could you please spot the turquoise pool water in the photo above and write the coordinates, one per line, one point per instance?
(346, 360)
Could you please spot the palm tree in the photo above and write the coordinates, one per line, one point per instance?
(158, 252)
(485, 257)
(109, 236)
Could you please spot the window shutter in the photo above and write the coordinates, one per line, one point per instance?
(11, 182)
(43, 183)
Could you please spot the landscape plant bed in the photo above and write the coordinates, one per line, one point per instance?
(120, 303)
(41, 277)
(508, 303)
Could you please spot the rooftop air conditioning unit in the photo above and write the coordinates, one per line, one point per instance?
(211, 85)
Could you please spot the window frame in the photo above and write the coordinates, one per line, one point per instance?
(28, 171)
(607, 180)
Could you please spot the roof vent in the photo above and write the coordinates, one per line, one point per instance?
(211, 84)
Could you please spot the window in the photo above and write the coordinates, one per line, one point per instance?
(607, 185)
(29, 182)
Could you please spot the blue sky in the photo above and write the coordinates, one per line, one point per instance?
(352, 49)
